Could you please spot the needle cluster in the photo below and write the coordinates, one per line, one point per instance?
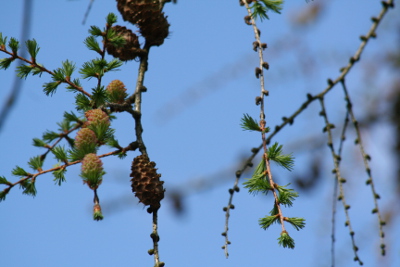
(262, 182)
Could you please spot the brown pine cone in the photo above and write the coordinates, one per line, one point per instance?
(147, 15)
(146, 182)
(130, 50)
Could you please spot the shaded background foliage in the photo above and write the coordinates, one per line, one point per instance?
(200, 82)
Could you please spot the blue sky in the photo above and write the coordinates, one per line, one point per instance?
(199, 82)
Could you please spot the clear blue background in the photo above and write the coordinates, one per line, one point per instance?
(200, 82)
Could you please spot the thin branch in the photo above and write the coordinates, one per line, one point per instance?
(230, 206)
(260, 70)
(335, 191)
(43, 69)
(340, 179)
(131, 146)
(62, 136)
(156, 238)
(13, 96)
(138, 99)
(366, 158)
(87, 12)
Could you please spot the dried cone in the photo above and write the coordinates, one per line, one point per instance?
(146, 182)
(147, 15)
(130, 50)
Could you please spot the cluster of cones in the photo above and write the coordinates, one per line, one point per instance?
(153, 26)
(151, 21)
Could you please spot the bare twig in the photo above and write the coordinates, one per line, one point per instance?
(138, 99)
(335, 190)
(155, 237)
(366, 158)
(340, 179)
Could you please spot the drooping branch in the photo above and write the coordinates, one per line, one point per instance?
(340, 180)
(366, 158)
(386, 5)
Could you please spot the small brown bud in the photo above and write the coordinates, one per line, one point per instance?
(265, 65)
(258, 72)
(255, 46)
(374, 19)
(258, 100)
(263, 46)
(254, 150)
(247, 20)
